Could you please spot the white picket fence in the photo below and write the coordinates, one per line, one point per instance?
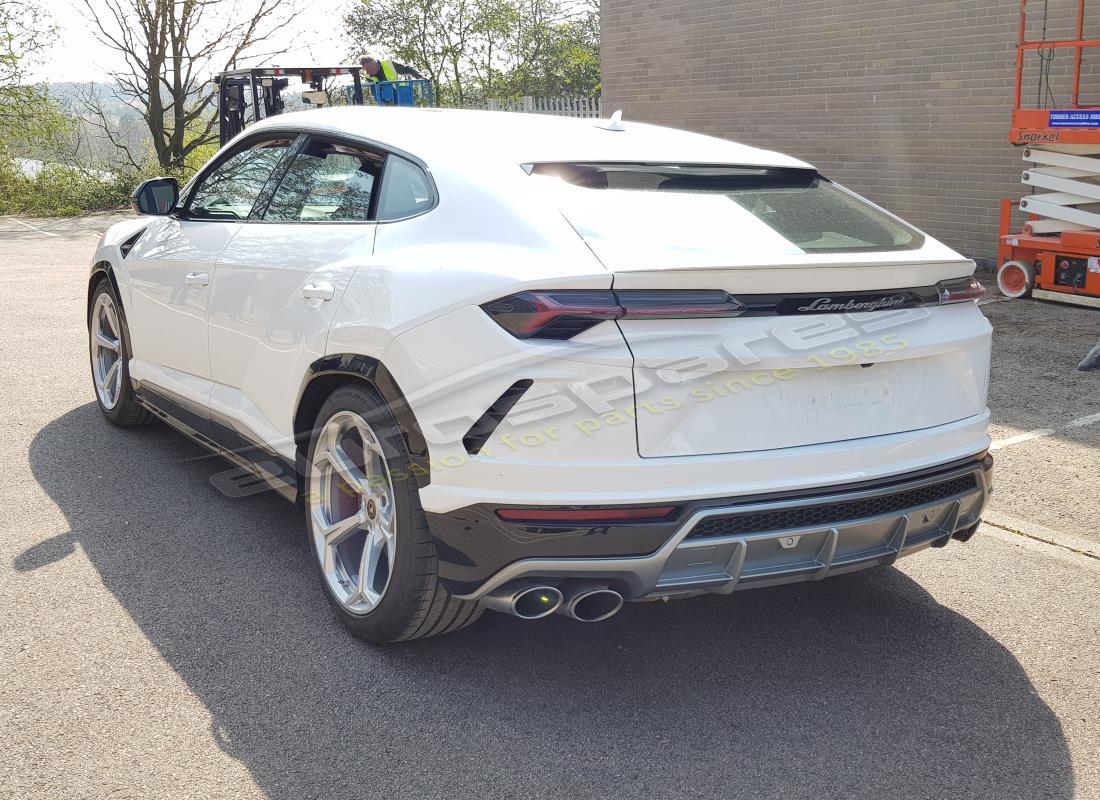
(562, 106)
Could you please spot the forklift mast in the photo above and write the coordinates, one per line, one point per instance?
(246, 96)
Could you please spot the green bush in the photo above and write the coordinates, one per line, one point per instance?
(61, 191)
(64, 191)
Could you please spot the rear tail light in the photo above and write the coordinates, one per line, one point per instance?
(960, 290)
(552, 315)
(576, 516)
(564, 314)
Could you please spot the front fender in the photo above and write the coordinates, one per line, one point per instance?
(108, 259)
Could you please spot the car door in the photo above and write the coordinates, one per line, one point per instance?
(279, 281)
(170, 270)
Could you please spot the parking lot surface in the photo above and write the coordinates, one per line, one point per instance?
(159, 639)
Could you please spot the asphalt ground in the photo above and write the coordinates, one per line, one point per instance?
(160, 639)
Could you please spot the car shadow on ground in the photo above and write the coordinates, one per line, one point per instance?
(862, 686)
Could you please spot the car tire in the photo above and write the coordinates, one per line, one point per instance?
(109, 357)
(363, 517)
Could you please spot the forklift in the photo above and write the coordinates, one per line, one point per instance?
(246, 96)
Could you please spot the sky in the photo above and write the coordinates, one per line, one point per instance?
(314, 38)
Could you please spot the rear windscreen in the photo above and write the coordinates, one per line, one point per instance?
(805, 209)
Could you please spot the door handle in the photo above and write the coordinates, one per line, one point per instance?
(318, 291)
(197, 278)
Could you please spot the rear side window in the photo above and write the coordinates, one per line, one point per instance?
(327, 182)
(808, 211)
(406, 190)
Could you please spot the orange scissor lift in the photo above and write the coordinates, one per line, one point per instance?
(1056, 256)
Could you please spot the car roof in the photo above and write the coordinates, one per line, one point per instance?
(499, 136)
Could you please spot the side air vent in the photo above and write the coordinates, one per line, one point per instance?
(128, 245)
(479, 434)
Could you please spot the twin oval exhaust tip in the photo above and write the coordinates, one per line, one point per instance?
(586, 603)
(592, 604)
(529, 602)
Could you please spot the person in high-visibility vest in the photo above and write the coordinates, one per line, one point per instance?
(386, 70)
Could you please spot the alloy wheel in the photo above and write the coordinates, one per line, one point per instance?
(107, 355)
(352, 516)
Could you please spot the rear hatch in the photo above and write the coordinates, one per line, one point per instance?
(842, 332)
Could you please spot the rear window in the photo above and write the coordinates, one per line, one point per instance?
(808, 211)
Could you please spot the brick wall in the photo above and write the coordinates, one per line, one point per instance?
(905, 101)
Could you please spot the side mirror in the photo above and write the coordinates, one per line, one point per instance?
(156, 196)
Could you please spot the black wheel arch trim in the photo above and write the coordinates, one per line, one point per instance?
(374, 372)
(101, 270)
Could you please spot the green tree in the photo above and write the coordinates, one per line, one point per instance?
(34, 126)
(557, 50)
(27, 115)
(171, 49)
(474, 49)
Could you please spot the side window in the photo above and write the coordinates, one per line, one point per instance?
(231, 189)
(406, 190)
(327, 182)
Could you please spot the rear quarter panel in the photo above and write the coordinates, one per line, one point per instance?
(485, 239)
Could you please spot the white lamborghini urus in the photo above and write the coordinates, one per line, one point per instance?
(542, 365)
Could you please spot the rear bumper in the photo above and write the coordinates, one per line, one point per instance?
(724, 545)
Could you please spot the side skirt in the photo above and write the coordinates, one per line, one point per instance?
(274, 470)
